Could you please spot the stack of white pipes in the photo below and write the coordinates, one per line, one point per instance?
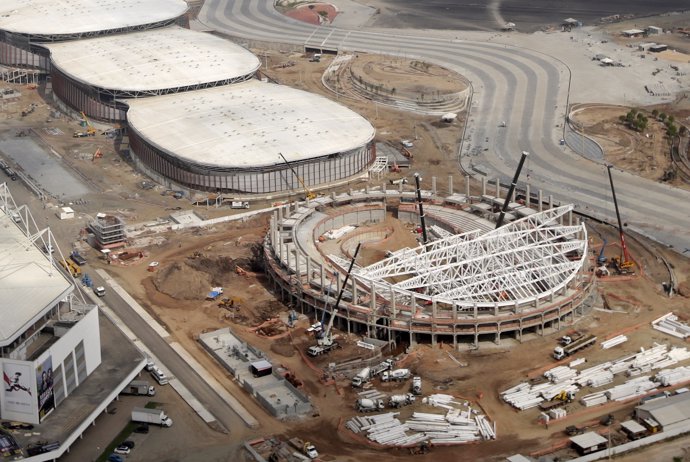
(594, 399)
(560, 374)
(558, 413)
(614, 341)
(669, 377)
(670, 325)
(635, 387)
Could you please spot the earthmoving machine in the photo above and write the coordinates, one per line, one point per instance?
(565, 396)
(308, 193)
(89, 129)
(624, 264)
(325, 343)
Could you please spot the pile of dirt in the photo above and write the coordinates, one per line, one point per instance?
(221, 269)
(283, 346)
(180, 281)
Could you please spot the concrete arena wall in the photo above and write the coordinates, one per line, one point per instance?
(83, 98)
(314, 172)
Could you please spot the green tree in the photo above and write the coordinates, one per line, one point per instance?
(670, 119)
(655, 113)
(662, 116)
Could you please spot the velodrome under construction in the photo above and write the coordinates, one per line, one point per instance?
(472, 282)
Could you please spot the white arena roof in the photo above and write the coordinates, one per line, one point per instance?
(247, 125)
(29, 284)
(65, 17)
(156, 59)
(519, 262)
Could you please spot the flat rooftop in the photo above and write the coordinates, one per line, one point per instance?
(157, 59)
(27, 279)
(65, 17)
(247, 125)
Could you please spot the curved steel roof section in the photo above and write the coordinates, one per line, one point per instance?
(520, 262)
(247, 125)
(75, 17)
(153, 60)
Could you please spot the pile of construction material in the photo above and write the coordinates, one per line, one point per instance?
(567, 379)
(670, 325)
(460, 424)
(338, 232)
(670, 377)
(614, 341)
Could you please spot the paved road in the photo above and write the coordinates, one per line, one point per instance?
(527, 89)
(177, 366)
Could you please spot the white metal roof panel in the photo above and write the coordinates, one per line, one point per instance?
(632, 426)
(64, 17)
(247, 125)
(157, 59)
(588, 440)
(29, 284)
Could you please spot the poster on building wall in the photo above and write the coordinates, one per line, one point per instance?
(44, 385)
(17, 382)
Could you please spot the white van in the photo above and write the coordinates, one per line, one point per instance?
(160, 377)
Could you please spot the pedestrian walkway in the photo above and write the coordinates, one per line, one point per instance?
(184, 393)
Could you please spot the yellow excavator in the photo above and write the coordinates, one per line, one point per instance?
(90, 131)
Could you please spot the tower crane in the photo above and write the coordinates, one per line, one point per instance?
(308, 193)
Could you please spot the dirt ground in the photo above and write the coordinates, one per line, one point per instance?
(192, 262)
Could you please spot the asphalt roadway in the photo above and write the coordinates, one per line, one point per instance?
(180, 369)
(527, 89)
(527, 15)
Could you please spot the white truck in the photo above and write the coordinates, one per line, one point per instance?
(306, 447)
(151, 416)
(401, 400)
(416, 385)
(397, 375)
(369, 405)
(573, 346)
(139, 387)
(362, 377)
(239, 205)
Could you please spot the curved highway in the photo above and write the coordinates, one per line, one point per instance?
(526, 89)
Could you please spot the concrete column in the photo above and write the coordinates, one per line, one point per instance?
(541, 200)
(280, 214)
(297, 263)
(280, 247)
(483, 186)
(372, 302)
(394, 309)
(366, 188)
(550, 201)
(349, 191)
(496, 310)
(570, 218)
(455, 311)
(467, 185)
(498, 187)
(354, 293)
(309, 266)
(323, 280)
(400, 187)
(338, 284)
(512, 199)
(475, 309)
(433, 185)
(450, 185)
(528, 199)
(433, 307)
(287, 258)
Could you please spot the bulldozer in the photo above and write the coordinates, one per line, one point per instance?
(229, 303)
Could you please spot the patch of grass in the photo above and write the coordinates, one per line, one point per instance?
(129, 428)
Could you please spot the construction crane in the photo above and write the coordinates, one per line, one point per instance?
(325, 343)
(624, 264)
(89, 129)
(308, 193)
(499, 222)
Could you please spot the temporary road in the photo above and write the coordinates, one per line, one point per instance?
(527, 89)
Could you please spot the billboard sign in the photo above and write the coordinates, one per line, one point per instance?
(17, 383)
(44, 385)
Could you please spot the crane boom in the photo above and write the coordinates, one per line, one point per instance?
(342, 290)
(310, 195)
(625, 261)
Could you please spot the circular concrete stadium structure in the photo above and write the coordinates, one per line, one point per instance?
(25, 23)
(230, 139)
(471, 283)
(95, 75)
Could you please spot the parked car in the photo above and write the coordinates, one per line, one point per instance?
(122, 449)
(150, 364)
(99, 291)
(115, 458)
(128, 443)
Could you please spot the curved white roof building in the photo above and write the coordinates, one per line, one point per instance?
(230, 138)
(153, 62)
(92, 75)
(65, 19)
